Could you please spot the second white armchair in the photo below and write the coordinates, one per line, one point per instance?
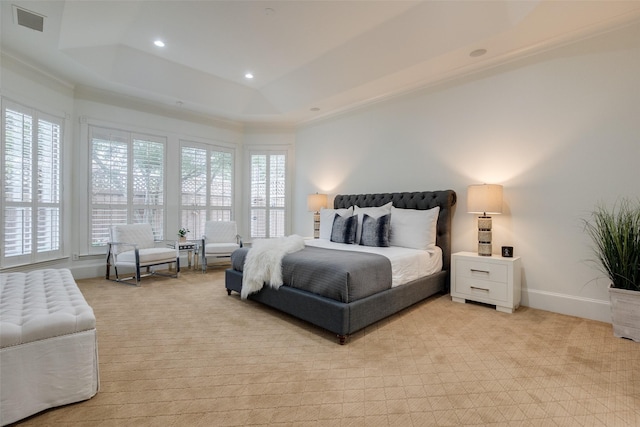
(220, 239)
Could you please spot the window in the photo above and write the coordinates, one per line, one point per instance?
(268, 194)
(31, 162)
(127, 181)
(206, 186)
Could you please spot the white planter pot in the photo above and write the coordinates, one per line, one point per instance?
(625, 313)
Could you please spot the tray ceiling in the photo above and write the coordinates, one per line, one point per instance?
(309, 59)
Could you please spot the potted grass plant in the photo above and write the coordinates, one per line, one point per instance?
(616, 237)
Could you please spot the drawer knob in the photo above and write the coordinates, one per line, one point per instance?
(479, 289)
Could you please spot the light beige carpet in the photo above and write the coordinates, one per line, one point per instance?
(180, 352)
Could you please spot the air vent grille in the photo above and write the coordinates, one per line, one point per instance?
(29, 19)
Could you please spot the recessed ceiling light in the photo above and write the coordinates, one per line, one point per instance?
(478, 52)
(159, 43)
(314, 109)
(248, 76)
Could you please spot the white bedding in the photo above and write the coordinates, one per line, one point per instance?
(406, 264)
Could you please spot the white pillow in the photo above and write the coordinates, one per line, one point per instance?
(374, 212)
(412, 228)
(326, 220)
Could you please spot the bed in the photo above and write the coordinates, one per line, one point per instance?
(342, 313)
(48, 343)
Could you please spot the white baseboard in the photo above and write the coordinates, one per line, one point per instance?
(89, 270)
(571, 305)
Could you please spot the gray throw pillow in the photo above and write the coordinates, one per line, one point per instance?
(375, 231)
(344, 229)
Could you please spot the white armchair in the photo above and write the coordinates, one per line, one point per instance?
(219, 240)
(133, 246)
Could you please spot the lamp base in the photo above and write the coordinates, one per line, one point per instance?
(484, 236)
(316, 225)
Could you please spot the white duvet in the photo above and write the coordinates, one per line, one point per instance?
(406, 264)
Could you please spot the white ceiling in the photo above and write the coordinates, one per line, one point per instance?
(310, 58)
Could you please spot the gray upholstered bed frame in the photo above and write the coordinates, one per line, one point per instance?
(344, 319)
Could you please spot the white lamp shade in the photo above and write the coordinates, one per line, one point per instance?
(484, 199)
(315, 202)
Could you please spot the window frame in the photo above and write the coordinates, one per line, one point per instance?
(286, 209)
(131, 136)
(197, 230)
(35, 204)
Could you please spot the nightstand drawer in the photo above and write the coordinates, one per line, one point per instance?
(482, 290)
(481, 271)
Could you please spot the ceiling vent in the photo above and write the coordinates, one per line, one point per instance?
(28, 19)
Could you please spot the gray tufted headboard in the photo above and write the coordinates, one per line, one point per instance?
(446, 199)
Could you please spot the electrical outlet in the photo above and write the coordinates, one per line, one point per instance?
(75, 256)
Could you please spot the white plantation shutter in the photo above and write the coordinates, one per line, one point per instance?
(193, 195)
(17, 162)
(277, 189)
(108, 182)
(48, 183)
(221, 167)
(148, 184)
(206, 173)
(268, 195)
(127, 181)
(258, 196)
(31, 191)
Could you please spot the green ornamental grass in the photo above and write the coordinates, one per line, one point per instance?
(616, 237)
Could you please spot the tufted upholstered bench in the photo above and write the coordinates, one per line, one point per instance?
(48, 343)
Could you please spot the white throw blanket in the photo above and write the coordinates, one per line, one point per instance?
(264, 262)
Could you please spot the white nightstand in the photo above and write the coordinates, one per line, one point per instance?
(492, 280)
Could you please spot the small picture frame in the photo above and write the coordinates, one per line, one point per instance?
(507, 251)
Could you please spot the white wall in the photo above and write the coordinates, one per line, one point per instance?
(560, 131)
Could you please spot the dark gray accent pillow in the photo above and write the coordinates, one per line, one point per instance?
(344, 229)
(375, 231)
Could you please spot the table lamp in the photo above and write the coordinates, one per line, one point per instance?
(315, 202)
(484, 199)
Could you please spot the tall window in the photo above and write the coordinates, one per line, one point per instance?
(31, 160)
(206, 186)
(127, 181)
(268, 194)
